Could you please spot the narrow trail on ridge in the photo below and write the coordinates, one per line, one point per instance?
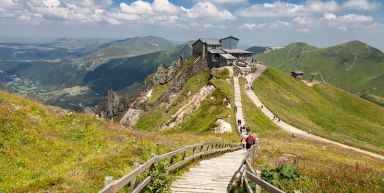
(289, 128)
(214, 175)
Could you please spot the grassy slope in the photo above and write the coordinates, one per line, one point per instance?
(202, 121)
(325, 168)
(353, 66)
(42, 151)
(151, 119)
(157, 92)
(326, 110)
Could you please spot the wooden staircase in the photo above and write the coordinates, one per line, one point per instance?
(213, 175)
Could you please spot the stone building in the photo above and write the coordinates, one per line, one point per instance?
(219, 52)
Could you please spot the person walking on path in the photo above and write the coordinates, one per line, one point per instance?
(239, 122)
(243, 144)
(249, 141)
(247, 130)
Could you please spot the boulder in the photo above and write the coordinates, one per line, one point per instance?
(223, 127)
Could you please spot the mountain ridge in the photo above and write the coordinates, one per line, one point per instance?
(352, 66)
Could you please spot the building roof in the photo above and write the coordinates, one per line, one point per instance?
(215, 51)
(230, 37)
(236, 51)
(210, 41)
(297, 72)
(228, 56)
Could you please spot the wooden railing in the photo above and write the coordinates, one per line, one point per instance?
(189, 153)
(247, 174)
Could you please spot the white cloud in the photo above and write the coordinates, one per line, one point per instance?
(7, 3)
(208, 10)
(304, 20)
(165, 6)
(278, 24)
(329, 16)
(248, 26)
(361, 4)
(349, 18)
(286, 9)
(276, 9)
(137, 7)
(51, 3)
(228, 1)
(350, 22)
(322, 6)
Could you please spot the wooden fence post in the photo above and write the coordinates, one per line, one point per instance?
(133, 182)
(184, 154)
(171, 161)
(108, 180)
(258, 188)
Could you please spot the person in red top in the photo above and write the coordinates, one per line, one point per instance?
(249, 141)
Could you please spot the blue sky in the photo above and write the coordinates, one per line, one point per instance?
(255, 22)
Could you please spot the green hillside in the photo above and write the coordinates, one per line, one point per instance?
(45, 151)
(323, 167)
(353, 66)
(324, 109)
(118, 74)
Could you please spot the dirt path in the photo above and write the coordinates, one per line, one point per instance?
(289, 128)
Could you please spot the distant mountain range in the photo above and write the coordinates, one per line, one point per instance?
(45, 70)
(48, 71)
(354, 66)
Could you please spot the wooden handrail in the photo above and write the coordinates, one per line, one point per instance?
(249, 174)
(263, 184)
(198, 151)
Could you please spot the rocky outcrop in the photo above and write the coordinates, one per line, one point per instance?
(114, 105)
(223, 126)
(161, 75)
(164, 75)
(190, 70)
(131, 117)
(190, 107)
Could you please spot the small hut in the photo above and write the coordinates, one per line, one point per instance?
(297, 74)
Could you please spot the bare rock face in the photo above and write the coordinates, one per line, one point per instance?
(113, 102)
(114, 105)
(131, 117)
(161, 75)
(223, 127)
(164, 75)
(190, 107)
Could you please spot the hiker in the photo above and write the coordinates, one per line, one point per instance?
(235, 109)
(247, 130)
(238, 122)
(241, 129)
(262, 106)
(274, 117)
(249, 141)
(243, 142)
